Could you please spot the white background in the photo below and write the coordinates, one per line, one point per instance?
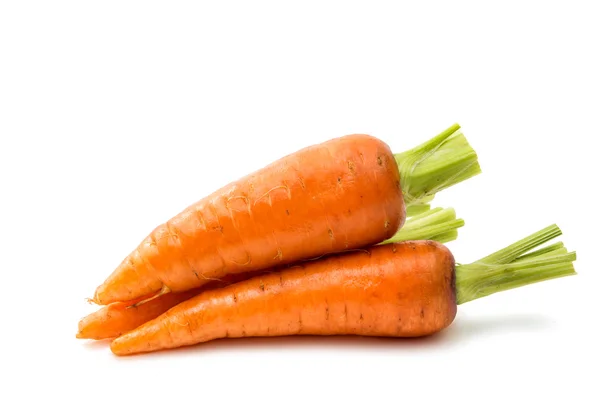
(116, 115)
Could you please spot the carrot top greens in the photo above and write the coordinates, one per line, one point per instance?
(439, 224)
(513, 266)
(435, 165)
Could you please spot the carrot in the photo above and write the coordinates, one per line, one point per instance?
(120, 317)
(405, 289)
(345, 193)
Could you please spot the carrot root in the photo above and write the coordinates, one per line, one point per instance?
(113, 320)
(364, 190)
(118, 318)
(353, 293)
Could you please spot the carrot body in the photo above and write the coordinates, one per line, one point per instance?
(342, 194)
(398, 290)
(115, 319)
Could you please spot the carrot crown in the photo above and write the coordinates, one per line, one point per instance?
(435, 165)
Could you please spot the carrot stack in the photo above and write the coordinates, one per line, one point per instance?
(336, 238)
(120, 317)
(404, 289)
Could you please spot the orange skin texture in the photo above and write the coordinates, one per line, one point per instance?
(404, 289)
(341, 194)
(118, 318)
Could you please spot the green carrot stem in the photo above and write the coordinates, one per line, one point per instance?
(542, 254)
(430, 225)
(483, 280)
(417, 209)
(446, 237)
(421, 207)
(432, 216)
(531, 276)
(510, 253)
(435, 165)
(427, 232)
(543, 251)
(511, 268)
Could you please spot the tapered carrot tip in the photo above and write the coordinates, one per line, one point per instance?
(122, 345)
(87, 327)
(100, 295)
(125, 284)
(141, 339)
(81, 329)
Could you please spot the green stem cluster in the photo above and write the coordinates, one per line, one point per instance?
(435, 165)
(515, 266)
(439, 224)
(446, 160)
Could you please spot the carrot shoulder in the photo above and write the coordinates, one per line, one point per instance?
(345, 193)
(118, 318)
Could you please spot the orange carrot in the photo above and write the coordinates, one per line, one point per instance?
(342, 194)
(405, 289)
(117, 318)
(120, 317)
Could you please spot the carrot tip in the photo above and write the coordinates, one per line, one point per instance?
(118, 347)
(81, 329)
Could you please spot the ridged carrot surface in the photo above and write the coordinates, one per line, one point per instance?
(120, 317)
(115, 319)
(342, 194)
(404, 289)
(397, 290)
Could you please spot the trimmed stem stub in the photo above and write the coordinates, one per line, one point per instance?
(435, 165)
(513, 267)
(519, 248)
(435, 224)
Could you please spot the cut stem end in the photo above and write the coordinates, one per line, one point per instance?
(513, 267)
(439, 224)
(435, 165)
